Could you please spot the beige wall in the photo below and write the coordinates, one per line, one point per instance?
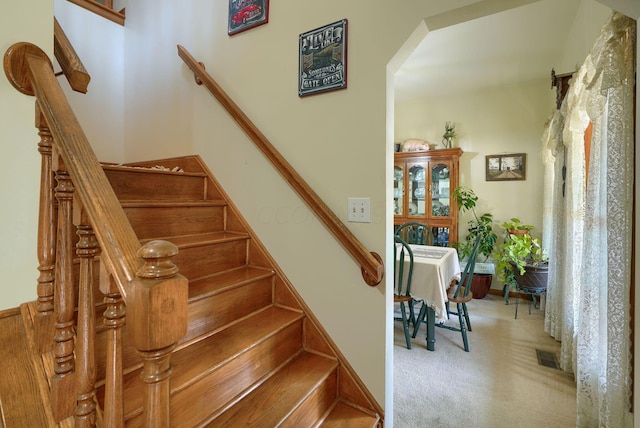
(489, 121)
(336, 141)
(23, 20)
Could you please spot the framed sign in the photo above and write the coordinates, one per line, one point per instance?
(246, 14)
(506, 167)
(322, 60)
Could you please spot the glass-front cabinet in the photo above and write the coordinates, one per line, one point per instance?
(422, 189)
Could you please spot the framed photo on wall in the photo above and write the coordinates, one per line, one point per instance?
(322, 63)
(511, 166)
(246, 14)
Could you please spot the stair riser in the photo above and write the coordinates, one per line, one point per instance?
(205, 315)
(315, 405)
(133, 185)
(198, 261)
(155, 222)
(191, 406)
(213, 312)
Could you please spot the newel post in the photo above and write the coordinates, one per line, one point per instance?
(157, 319)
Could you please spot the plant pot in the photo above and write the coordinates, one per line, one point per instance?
(480, 285)
(518, 232)
(534, 279)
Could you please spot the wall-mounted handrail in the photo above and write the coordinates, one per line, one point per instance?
(69, 60)
(371, 263)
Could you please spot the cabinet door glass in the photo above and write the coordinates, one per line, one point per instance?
(441, 236)
(398, 190)
(417, 190)
(440, 190)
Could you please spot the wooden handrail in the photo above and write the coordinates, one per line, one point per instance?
(68, 59)
(102, 10)
(371, 263)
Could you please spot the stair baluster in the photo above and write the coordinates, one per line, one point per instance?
(44, 320)
(114, 319)
(63, 383)
(86, 249)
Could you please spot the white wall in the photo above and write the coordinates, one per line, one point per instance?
(20, 21)
(585, 29)
(99, 43)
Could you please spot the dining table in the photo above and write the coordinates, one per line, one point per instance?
(434, 268)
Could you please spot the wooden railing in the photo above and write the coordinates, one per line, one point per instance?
(371, 263)
(142, 278)
(105, 10)
(68, 59)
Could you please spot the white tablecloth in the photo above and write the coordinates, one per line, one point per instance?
(433, 270)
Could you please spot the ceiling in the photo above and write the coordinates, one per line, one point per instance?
(514, 46)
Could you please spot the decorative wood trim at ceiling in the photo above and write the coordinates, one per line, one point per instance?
(561, 83)
(105, 12)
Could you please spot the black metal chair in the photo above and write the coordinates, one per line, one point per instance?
(402, 284)
(460, 294)
(415, 232)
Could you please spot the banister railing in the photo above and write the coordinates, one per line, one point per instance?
(144, 276)
(371, 263)
(104, 10)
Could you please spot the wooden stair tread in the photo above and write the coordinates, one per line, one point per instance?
(222, 281)
(251, 355)
(20, 399)
(164, 203)
(149, 170)
(204, 238)
(188, 364)
(270, 404)
(345, 416)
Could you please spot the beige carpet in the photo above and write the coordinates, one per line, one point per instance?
(499, 383)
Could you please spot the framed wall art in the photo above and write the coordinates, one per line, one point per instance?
(505, 167)
(246, 14)
(322, 60)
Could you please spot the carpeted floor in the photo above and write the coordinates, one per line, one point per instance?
(499, 383)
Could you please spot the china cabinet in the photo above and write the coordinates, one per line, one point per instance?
(423, 184)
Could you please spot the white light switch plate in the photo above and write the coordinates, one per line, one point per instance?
(359, 210)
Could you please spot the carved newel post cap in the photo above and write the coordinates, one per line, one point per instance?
(157, 260)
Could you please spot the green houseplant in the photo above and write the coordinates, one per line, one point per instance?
(479, 227)
(521, 260)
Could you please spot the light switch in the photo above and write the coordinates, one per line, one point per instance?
(359, 210)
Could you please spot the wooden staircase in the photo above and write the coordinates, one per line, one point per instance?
(253, 355)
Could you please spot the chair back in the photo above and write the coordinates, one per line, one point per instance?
(415, 233)
(404, 272)
(464, 285)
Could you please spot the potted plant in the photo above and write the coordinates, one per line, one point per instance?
(521, 260)
(449, 134)
(479, 227)
(516, 227)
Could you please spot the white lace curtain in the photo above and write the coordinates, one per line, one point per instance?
(587, 227)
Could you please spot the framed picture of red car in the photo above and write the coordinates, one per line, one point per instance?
(246, 14)
(322, 59)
